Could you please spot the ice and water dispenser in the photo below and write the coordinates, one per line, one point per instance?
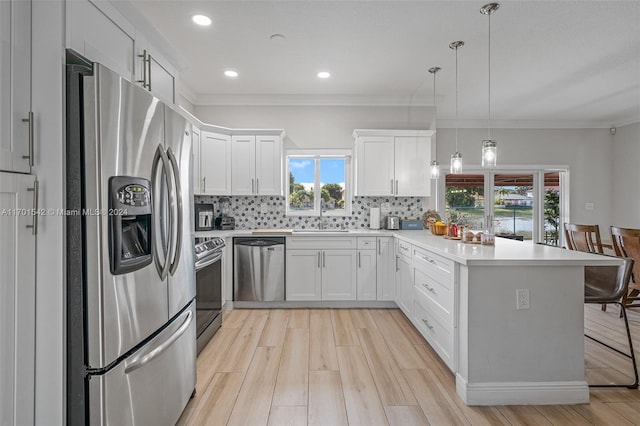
(130, 224)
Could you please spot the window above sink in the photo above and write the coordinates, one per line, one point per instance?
(324, 172)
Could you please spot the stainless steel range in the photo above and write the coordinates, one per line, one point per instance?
(209, 254)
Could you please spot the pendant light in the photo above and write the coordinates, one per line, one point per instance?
(489, 146)
(435, 166)
(456, 159)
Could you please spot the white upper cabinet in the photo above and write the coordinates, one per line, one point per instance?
(16, 121)
(107, 39)
(153, 72)
(393, 162)
(375, 168)
(243, 165)
(195, 155)
(269, 165)
(101, 33)
(256, 165)
(215, 161)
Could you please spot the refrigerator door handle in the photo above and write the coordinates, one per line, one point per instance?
(160, 156)
(148, 356)
(178, 194)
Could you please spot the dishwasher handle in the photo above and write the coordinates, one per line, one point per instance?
(258, 242)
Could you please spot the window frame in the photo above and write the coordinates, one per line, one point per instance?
(538, 172)
(317, 155)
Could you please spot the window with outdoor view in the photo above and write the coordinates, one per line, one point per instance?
(318, 182)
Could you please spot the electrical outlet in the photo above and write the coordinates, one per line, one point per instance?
(522, 299)
(588, 206)
(264, 208)
(385, 207)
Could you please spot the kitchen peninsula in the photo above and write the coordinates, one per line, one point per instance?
(466, 301)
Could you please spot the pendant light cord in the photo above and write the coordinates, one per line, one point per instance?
(434, 89)
(456, 98)
(489, 118)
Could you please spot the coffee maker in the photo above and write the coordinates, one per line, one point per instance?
(224, 221)
(204, 216)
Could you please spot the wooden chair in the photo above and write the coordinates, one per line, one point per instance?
(583, 238)
(626, 243)
(609, 284)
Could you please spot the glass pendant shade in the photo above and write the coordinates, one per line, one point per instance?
(489, 153)
(456, 163)
(435, 170)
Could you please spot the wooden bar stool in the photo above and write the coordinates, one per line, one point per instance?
(584, 238)
(626, 243)
(608, 284)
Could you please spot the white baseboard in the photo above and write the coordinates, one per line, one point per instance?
(311, 304)
(522, 393)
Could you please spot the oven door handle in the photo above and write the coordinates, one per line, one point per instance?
(206, 263)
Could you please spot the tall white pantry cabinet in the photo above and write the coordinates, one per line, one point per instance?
(18, 199)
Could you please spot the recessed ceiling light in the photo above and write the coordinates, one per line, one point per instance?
(231, 73)
(201, 20)
(324, 74)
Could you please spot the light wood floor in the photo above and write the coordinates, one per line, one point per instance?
(370, 367)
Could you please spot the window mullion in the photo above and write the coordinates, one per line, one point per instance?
(316, 186)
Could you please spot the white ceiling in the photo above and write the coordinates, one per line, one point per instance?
(557, 63)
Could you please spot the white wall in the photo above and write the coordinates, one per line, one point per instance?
(317, 126)
(587, 152)
(626, 177)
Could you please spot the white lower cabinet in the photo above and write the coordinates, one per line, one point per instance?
(17, 298)
(367, 281)
(404, 281)
(426, 283)
(304, 275)
(321, 274)
(385, 269)
(437, 331)
(321, 268)
(338, 275)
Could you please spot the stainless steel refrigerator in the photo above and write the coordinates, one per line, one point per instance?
(130, 261)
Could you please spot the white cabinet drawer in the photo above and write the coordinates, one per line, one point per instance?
(435, 331)
(366, 243)
(435, 266)
(320, 243)
(404, 248)
(439, 295)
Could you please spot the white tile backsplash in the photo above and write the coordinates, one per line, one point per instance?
(260, 212)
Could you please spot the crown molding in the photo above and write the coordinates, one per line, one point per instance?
(525, 124)
(141, 23)
(309, 100)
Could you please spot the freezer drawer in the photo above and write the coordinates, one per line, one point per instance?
(258, 269)
(153, 385)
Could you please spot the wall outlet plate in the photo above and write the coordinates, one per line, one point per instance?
(522, 299)
(264, 208)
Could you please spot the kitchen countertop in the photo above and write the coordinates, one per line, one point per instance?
(295, 233)
(505, 251)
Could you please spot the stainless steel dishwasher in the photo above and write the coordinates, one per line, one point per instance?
(258, 269)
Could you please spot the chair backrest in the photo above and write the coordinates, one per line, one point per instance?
(611, 281)
(583, 238)
(626, 243)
